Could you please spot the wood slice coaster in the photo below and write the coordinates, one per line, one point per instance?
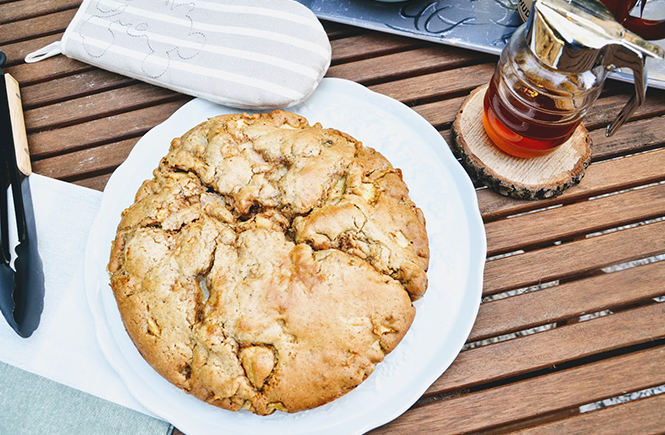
(535, 178)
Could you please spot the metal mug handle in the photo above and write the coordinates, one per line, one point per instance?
(621, 56)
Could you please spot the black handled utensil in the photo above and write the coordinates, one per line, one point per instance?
(6, 272)
(21, 288)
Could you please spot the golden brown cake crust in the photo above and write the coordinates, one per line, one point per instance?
(269, 264)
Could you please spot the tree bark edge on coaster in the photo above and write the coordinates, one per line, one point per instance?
(536, 178)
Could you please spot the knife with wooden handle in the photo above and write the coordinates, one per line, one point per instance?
(21, 288)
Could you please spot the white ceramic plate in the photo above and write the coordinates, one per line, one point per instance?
(444, 317)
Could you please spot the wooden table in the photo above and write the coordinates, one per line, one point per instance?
(572, 318)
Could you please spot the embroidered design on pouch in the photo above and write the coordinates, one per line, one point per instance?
(160, 33)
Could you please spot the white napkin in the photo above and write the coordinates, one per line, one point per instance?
(64, 347)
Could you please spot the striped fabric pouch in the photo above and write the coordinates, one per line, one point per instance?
(250, 54)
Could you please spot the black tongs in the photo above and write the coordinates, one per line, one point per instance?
(21, 288)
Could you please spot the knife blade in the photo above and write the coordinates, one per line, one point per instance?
(6, 272)
(29, 276)
(28, 291)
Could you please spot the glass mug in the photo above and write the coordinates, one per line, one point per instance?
(531, 109)
(553, 69)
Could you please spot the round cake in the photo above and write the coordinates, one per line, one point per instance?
(269, 264)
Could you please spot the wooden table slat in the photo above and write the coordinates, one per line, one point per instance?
(17, 51)
(71, 87)
(97, 182)
(34, 27)
(604, 109)
(423, 60)
(441, 114)
(17, 11)
(574, 258)
(574, 220)
(569, 301)
(84, 109)
(421, 89)
(619, 419)
(81, 164)
(632, 137)
(600, 178)
(101, 131)
(551, 348)
(369, 44)
(533, 397)
(46, 70)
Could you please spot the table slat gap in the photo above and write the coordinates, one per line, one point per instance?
(546, 418)
(17, 51)
(632, 305)
(71, 87)
(556, 349)
(632, 137)
(645, 221)
(504, 334)
(103, 173)
(48, 69)
(338, 30)
(395, 66)
(431, 87)
(533, 397)
(601, 178)
(630, 153)
(615, 420)
(636, 285)
(31, 28)
(16, 62)
(367, 45)
(530, 248)
(510, 335)
(97, 182)
(519, 291)
(87, 162)
(45, 128)
(557, 368)
(574, 259)
(97, 106)
(440, 113)
(102, 131)
(603, 110)
(575, 220)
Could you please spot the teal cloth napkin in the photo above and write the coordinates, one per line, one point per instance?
(33, 405)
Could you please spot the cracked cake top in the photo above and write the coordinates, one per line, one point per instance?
(269, 264)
